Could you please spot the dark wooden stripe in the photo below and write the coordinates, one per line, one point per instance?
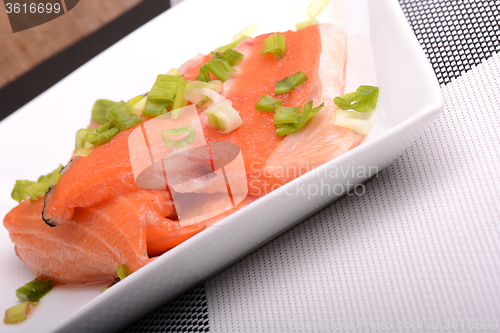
(40, 78)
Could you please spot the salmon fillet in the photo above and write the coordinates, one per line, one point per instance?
(104, 219)
(87, 181)
(91, 245)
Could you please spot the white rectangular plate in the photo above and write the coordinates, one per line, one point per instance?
(40, 135)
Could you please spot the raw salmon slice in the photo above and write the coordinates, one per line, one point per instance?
(104, 219)
(320, 52)
(319, 141)
(107, 170)
(256, 76)
(127, 229)
(163, 233)
(89, 247)
(87, 181)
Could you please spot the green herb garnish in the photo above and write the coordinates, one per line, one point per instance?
(33, 291)
(134, 100)
(121, 116)
(204, 74)
(286, 115)
(35, 190)
(219, 67)
(289, 83)
(99, 110)
(232, 57)
(122, 271)
(304, 24)
(162, 93)
(179, 100)
(287, 120)
(104, 134)
(17, 313)
(275, 44)
(363, 99)
(267, 103)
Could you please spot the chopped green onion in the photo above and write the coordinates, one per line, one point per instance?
(220, 68)
(95, 137)
(304, 24)
(223, 117)
(275, 44)
(161, 94)
(215, 120)
(203, 96)
(347, 114)
(286, 115)
(267, 103)
(17, 313)
(361, 126)
(174, 71)
(123, 271)
(217, 84)
(285, 129)
(178, 131)
(133, 101)
(287, 121)
(99, 110)
(33, 291)
(232, 57)
(19, 191)
(45, 178)
(103, 128)
(37, 190)
(138, 108)
(316, 7)
(308, 113)
(105, 135)
(352, 120)
(84, 136)
(121, 116)
(54, 179)
(115, 281)
(363, 99)
(204, 74)
(83, 152)
(289, 83)
(179, 100)
(201, 93)
(198, 85)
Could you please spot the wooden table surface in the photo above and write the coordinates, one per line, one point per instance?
(21, 51)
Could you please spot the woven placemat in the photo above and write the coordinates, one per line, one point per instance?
(456, 36)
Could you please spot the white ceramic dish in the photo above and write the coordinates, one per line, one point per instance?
(409, 101)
